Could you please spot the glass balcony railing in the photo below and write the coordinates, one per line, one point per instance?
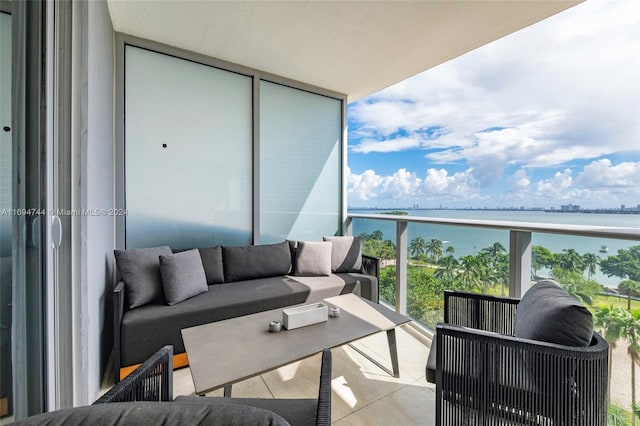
(423, 256)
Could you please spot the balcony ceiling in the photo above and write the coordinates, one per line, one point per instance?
(350, 47)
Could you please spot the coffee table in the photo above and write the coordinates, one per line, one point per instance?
(226, 352)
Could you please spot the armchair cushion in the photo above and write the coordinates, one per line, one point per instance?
(182, 276)
(346, 255)
(140, 270)
(549, 314)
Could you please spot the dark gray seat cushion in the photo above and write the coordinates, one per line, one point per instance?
(297, 412)
(146, 329)
(212, 263)
(158, 413)
(548, 313)
(182, 276)
(251, 262)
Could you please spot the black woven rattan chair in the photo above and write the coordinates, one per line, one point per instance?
(485, 375)
(151, 381)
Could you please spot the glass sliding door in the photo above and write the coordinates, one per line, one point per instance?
(23, 200)
(6, 226)
(300, 164)
(188, 152)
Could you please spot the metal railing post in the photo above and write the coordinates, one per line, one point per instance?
(519, 263)
(401, 267)
(348, 226)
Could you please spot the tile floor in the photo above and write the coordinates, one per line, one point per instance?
(362, 393)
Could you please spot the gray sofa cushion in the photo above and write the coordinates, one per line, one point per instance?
(212, 263)
(146, 329)
(250, 262)
(548, 313)
(313, 258)
(346, 255)
(182, 276)
(298, 412)
(158, 413)
(140, 270)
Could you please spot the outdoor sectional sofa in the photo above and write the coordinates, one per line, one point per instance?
(162, 291)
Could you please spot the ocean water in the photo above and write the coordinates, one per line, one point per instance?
(471, 240)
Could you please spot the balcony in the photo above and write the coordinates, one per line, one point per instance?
(364, 394)
(415, 281)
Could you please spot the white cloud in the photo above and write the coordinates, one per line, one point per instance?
(363, 187)
(599, 184)
(555, 186)
(520, 182)
(401, 184)
(562, 90)
(458, 185)
(405, 185)
(602, 175)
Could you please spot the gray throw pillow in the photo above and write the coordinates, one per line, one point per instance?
(548, 313)
(313, 258)
(346, 255)
(251, 262)
(182, 276)
(212, 262)
(140, 270)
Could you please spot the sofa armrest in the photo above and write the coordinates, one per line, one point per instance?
(480, 311)
(371, 266)
(118, 312)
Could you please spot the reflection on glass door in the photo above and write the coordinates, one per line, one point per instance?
(22, 199)
(5, 219)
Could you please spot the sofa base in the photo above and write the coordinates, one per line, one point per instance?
(179, 361)
(4, 407)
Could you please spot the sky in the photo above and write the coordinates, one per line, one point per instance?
(545, 117)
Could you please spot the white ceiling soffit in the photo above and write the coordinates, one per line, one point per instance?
(350, 47)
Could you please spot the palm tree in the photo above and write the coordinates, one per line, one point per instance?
(470, 276)
(387, 250)
(450, 250)
(591, 262)
(541, 257)
(630, 288)
(570, 260)
(631, 331)
(494, 249)
(434, 249)
(448, 268)
(417, 247)
(609, 321)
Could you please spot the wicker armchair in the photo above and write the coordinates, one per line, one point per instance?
(485, 375)
(150, 381)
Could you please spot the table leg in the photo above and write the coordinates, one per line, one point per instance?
(227, 391)
(393, 351)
